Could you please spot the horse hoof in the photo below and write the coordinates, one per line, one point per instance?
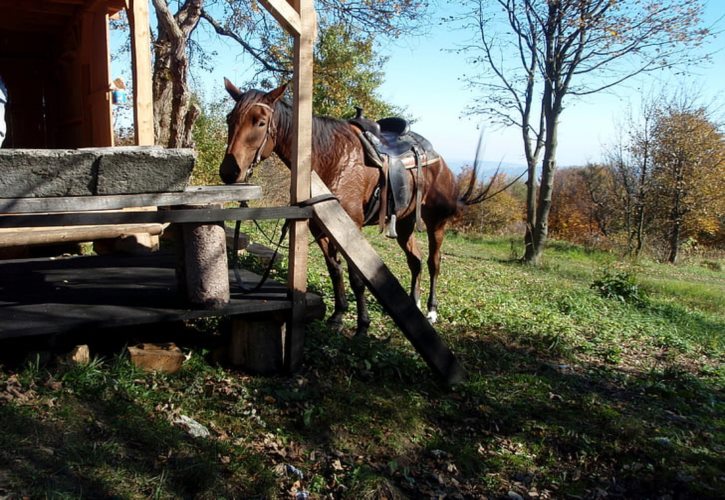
(432, 317)
(335, 324)
(362, 330)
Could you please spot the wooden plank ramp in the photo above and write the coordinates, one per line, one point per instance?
(335, 222)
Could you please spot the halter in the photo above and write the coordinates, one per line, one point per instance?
(267, 133)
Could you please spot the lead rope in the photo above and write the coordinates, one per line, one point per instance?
(235, 261)
(283, 235)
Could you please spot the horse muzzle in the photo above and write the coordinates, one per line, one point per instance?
(229, 170)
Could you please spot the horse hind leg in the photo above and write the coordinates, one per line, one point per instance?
(436, 231)
(406, 240)
(358, 287)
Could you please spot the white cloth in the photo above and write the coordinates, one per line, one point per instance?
(3, 101)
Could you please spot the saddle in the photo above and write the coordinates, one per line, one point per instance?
(390, 145)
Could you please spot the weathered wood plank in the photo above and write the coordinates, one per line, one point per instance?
(384, 286)
(199, 195)
(143, 112)
(178, 216)
(43, 235)
(285, 15)
(300, 171)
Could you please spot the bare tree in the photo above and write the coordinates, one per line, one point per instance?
(530, 55)
(631, 162)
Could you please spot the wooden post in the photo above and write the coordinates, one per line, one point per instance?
(143, 112)
(98, 127)
(300, 188)
(256, 345)
(297, 17)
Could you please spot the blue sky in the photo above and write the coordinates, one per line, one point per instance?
(423, 76)
(437, 98)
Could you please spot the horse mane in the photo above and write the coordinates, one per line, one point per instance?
(328, 134)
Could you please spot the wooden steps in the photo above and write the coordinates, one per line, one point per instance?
(49, 296)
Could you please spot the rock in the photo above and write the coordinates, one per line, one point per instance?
(80, 355)
(194, 428)
(165, 358)
(663, 441)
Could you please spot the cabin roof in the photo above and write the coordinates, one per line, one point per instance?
(48, 16)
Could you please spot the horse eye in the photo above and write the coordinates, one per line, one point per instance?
(261, 124)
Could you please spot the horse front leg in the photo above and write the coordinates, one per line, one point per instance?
(334, 268)
(358, 287)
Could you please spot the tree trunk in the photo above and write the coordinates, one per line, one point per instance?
(674, 242)
(541, 230)
(531, 189)
(552, 108)
(174, 113)
(676, 216)
(640, 202)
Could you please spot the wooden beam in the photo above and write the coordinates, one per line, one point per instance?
(384, 286)
(287, 14)
(143, 111)
(134, 217)
(194, 195)
(103, 133)
(44, 235)
(300, 183)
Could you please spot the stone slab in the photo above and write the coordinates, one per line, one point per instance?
(144, 170)
(36, 173)
(40, 173)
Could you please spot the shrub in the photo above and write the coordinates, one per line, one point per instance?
(620, 285)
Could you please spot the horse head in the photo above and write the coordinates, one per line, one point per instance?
(252, 131)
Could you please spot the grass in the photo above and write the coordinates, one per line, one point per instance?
(569, 394)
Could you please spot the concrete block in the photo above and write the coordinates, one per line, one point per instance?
(35, 173)
(143, 169)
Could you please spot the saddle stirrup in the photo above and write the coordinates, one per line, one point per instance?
(391, 232)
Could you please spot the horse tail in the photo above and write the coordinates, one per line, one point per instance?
(473, 196)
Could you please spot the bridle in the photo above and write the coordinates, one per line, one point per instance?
(271, 130)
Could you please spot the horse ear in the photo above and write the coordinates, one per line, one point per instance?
(232, 89)
(274, 95)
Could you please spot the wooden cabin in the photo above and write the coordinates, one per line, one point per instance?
(55, 62)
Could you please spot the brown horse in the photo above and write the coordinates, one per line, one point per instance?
(261, 123)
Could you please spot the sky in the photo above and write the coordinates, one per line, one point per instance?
(422, 75)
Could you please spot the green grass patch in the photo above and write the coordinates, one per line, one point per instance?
(570, 392)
